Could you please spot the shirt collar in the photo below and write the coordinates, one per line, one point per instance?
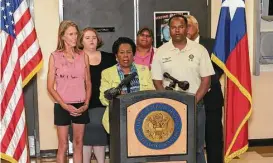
(147, 54)
(197, 40)
(186, 48)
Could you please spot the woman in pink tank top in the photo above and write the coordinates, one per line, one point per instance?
(68, 81)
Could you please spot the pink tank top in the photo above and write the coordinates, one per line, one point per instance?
(69, 77)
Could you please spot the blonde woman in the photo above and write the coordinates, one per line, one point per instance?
(68, 71)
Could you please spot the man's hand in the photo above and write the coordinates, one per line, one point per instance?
(203, 89)
(158, 84)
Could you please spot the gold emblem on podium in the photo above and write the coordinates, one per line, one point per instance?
(158, 126)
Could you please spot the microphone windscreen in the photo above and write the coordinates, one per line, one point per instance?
(184, 85)
(166, 75)
(127, 79)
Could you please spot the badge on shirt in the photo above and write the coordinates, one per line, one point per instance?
(191, 56)
(165, 60)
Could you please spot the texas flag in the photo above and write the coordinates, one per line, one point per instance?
(231, 55)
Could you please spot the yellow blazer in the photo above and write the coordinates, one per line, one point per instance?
(110, 79)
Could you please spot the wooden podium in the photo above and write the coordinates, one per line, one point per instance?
(153, 126)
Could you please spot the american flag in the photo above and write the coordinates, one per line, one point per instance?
(20, 59)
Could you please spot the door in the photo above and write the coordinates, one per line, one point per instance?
(102, 13)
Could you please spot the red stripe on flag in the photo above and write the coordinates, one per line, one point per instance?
(35, 60)
(6, 54)
(25, 18)
(237, 105)
(27, 43)
(21, 145)
(10, 88)
(238, 63)
(12, 125)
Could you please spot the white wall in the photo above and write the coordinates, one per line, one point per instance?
(46, 22)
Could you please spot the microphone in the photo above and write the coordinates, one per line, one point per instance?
(109, 94)
(184, 85)
(114, 92)
(168, 76)
(127, 80)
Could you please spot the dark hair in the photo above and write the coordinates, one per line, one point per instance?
(141, 30)
(123, 40)
(178, 16)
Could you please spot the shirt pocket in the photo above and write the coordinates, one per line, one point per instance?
(193, 64)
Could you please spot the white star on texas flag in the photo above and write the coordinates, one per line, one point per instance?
(233, 5)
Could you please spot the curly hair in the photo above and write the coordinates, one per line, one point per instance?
(123, 40)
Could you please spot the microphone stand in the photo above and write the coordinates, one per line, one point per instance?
(171, 86)
(184, 85)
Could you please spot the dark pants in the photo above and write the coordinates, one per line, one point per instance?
(214, 135)
(200, 133)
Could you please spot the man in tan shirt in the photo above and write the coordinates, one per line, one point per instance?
(185, 60)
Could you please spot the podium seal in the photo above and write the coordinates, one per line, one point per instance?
(158, 126)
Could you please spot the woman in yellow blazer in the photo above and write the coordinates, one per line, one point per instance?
(125, 49)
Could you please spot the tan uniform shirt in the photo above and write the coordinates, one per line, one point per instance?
(188, 64)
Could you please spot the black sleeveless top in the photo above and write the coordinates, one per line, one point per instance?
(107, 60)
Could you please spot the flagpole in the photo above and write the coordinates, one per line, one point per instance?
(27, 143)
(224, 117)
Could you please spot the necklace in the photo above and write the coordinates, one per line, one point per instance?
(69, 55)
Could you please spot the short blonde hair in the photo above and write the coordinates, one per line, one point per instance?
(193, 20)
(62, 28)
(80, 38)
